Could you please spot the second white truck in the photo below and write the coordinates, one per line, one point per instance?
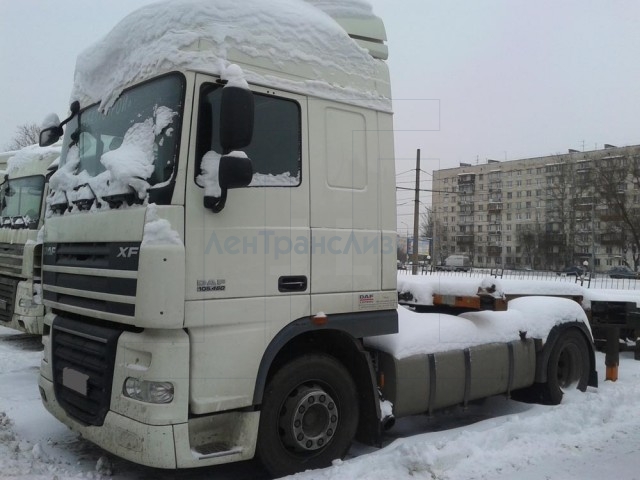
(22, 194)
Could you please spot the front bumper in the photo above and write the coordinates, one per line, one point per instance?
(166, 446)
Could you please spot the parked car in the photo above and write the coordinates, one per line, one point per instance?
(572, 271)
(622, 272)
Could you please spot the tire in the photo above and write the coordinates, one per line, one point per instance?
(309, 415)
(568, 367)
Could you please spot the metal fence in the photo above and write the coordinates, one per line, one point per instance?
(598, 280)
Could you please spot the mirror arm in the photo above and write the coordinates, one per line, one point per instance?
(216, 204)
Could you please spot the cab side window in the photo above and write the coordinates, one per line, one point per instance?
(275, 149)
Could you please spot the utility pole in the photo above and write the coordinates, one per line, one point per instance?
(416, 219)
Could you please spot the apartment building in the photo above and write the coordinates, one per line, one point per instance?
(543, 213)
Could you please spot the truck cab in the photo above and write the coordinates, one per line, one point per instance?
(22, 195)
(177, 287)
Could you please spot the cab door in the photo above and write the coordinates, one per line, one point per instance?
(248, 266)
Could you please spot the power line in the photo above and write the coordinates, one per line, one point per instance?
(421, 190)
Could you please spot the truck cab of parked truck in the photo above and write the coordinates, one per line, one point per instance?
(22, 196)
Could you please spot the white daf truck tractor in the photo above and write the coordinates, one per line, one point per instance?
(219, 259)
(22, 195)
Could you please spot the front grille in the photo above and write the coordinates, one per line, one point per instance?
(87, 352)
(11, 257)
(72, 266)
(8, 287)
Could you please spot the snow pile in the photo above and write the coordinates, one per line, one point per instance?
(209, 177)
(51, 120)
(158, 231)
(32, 157)
(423, 333)
(131, 164)
(64, 180)
(201, 35)
(234, 76)
(268, 180)
(423, 288)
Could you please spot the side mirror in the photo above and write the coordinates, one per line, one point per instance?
(50, 135)
(234, 171)
(236, 118)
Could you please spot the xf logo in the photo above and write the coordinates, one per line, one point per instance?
(128, 252)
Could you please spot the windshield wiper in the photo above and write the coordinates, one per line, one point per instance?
(129, 198)
(59, 207)
(86, 203)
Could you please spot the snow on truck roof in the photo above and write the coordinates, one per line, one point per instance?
(295, 45)
(31, 160)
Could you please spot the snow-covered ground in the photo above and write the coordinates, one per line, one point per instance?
(595, 435)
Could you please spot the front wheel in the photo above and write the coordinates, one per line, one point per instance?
(309, 415)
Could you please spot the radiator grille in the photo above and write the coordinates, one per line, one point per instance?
(11, 257)
(82, 287)
(83, 358)
(8, 287)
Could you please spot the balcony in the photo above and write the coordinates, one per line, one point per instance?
(554, 238)
(494, 250)
(494, 206)
(465, 239)
(465, 200)
(610, 238)
(466, 179)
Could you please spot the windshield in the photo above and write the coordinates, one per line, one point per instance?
(130, 150)
(20, 201)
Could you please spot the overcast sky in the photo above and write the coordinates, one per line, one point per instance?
(472, 79)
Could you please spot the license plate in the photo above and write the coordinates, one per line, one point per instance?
(75, 380)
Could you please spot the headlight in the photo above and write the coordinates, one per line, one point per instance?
(149, 392)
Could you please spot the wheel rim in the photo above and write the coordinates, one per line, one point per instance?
(308, 419)
(569, 367)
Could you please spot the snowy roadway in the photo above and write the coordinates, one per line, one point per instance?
(595, 435)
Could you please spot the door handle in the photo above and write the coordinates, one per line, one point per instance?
(294, 283)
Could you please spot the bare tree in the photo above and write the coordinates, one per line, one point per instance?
(26, 134)
(618, 188)
(427, 224)
(560, 231)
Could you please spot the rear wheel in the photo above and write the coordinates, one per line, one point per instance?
(309, 415)
(568, 367)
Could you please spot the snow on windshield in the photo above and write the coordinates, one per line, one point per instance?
(127, 167)
(132, 163)
(202, 35)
